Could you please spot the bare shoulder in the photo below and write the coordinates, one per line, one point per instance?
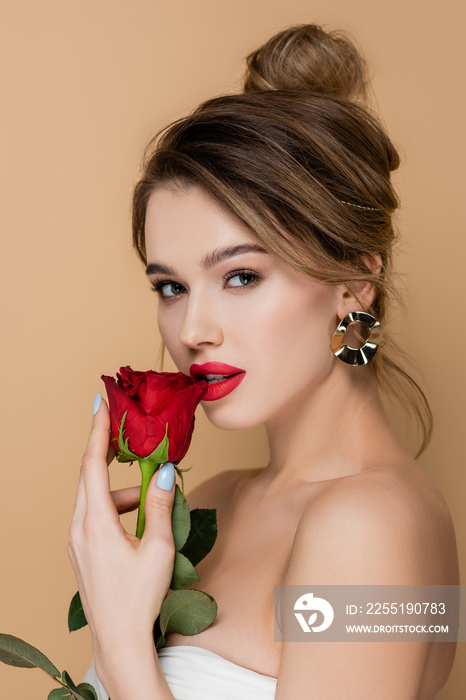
(387, 525)
(217, 490)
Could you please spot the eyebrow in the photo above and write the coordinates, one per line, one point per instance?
(211, 259)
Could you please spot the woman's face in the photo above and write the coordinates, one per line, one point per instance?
(225, 299)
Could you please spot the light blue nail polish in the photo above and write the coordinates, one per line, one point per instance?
(166, 476)
(96, 404)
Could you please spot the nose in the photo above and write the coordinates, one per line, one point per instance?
(201, 323)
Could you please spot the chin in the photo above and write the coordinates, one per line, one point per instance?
(229, 418)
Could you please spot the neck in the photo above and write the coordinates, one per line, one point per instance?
(338, 429)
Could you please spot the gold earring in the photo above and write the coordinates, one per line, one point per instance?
(357, 356)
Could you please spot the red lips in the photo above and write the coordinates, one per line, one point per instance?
(218, 390)
(213, 368)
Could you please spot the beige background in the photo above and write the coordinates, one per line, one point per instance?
(86, 84)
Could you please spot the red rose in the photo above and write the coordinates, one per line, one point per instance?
(151, 400)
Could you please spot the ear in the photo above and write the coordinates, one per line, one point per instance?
(358, 296)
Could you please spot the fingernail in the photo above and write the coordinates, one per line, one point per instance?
(166, 476)
(96, 404)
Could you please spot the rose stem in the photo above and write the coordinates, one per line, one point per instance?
(148, 469)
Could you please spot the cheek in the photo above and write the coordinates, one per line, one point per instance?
(293, 326)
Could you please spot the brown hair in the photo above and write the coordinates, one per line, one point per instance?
(305, 166)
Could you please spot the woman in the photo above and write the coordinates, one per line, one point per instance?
(264, 220)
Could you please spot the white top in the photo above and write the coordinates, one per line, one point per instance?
(194, 673)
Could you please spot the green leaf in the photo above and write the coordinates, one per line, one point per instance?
(84, 691)
(76, 616)
(59, 693)
(187, 612)
(16, 652)
(65, 676)
(202, 535)
(160, 454)
(87, 691)
(181, 521)
(184, 573)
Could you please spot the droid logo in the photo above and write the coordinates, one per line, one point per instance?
(308, 603)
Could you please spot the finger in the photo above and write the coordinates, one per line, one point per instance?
(159, 505)
(80, 506)
(94, 464)
(81, 501)
(126, 500)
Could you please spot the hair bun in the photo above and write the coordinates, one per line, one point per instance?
(305, 57)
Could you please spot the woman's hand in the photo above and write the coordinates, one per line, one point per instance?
(122, 580)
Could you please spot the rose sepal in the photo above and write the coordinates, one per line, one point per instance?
(124, 454)
(160, 454)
